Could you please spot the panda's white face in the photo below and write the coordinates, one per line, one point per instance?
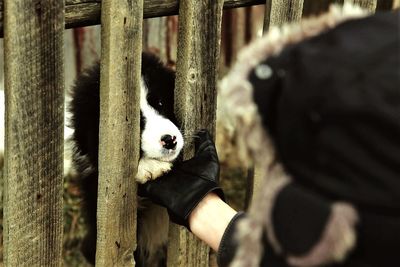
(161, 140)
(160, 137)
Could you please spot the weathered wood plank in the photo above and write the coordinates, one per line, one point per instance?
(34, 79)
(385, 5)
(195, 101)
(312, 7)
(119, 117)
(80, 13)
(238, 31)
(155, 33)
(370, 5)
(279, 12)
(228, 4)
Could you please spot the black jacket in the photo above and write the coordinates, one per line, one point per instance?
(332, 107)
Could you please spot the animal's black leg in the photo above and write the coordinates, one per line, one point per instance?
(89, 191)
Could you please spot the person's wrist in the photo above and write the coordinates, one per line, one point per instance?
(210, 218)
(208, 200)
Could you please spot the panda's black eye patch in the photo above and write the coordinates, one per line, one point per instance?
(156, 101)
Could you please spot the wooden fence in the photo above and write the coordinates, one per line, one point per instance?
(34, 69)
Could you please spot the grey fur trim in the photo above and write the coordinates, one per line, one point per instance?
(251, 228)
(237, 108)
(338, 239)
(277, 180)
(242, 123)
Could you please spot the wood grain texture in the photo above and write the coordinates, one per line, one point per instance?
(279, 12)
(312, 7)
(385, 4)
(1, 17)
(34, 79)
(370, 5)
(155, 32)
(195, 101)
(119, 131)
(80, 13)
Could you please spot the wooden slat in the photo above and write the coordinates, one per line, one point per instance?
(195, 101)
(238, 31)
(279, 12)
(34, 79)
(228, 4)
(312, 7)
(119, 131)
(155, 33)
(385, 5)
(80, 13)
(367, 4)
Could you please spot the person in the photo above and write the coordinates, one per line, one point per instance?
(329, 100)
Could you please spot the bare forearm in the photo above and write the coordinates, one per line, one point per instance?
(210, 218)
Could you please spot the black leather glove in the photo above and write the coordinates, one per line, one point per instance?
(188, 182)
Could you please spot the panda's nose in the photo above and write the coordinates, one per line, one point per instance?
(168, 141)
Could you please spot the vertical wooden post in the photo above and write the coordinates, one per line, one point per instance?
(155, 32)
(279, 12)
(119, 131)
(312, 7)
(195, 101)
(237, 30)
(369, 5)
(34, 79)
(385, 5)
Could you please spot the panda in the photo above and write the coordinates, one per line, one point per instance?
(161, 144)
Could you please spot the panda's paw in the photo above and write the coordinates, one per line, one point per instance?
(150, 169)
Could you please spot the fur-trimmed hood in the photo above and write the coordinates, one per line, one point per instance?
(314, 126)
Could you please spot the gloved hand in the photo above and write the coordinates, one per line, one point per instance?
(188, 182)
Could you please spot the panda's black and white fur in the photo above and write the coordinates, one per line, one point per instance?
(161, 143)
